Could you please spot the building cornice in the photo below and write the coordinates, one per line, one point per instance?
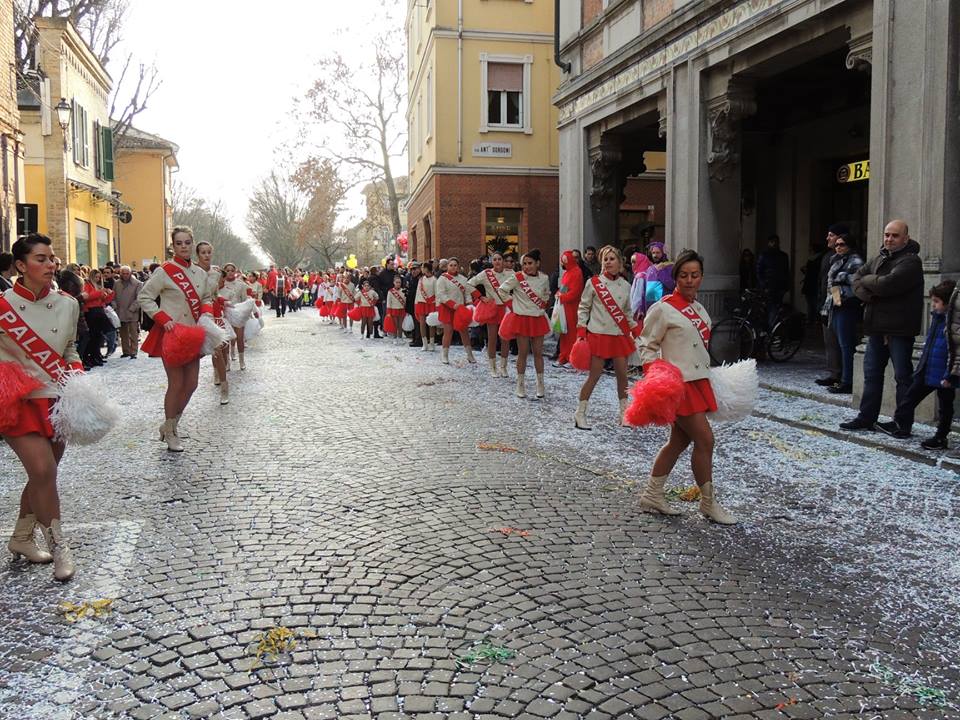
(496, 35)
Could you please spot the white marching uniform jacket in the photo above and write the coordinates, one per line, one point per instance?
(394, 303)
(367, 299)
(426, 289)
(522, 304)
(593, 315)
(447, 290)
(53, 317)
(482, 279)
(233, 291)
(669, 334)
(173, 302)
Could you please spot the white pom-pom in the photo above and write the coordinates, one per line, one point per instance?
(473, 323)
(736, 387)
(237, 315)
(84, 413)
(251, 329)
(433, 319)
(216, 335)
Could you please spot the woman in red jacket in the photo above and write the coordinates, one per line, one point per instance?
(95, 297)
(571, 288)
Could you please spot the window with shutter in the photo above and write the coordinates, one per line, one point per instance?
(74, 135)
(97, 158)
(106, 152)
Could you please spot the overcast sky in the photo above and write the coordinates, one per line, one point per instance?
(231, 71)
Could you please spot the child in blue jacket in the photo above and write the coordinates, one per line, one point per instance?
(932, 375)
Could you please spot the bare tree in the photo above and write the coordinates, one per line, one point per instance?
(319, 180)
(276, 213)
(210, 223)
(100, 24)
(370, 119)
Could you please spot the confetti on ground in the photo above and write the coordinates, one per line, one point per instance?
(784, 447)
(783, 705)
(274, 642)
(904, 685)
(497, 447)
(508, 531)
(487, 653)
(687, 494)
(72, 612)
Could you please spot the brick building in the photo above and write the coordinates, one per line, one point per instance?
(11, 139)
(483, 154)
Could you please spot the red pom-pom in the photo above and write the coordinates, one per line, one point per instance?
(506, 330)
(580, 356)
(389, 324)
(462, 317)
(323, 308)
(15, 385)
(354, 313)
(183, 344)
(657, 396)
(319, 303)
(484, 312)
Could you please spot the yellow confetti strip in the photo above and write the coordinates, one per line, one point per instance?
(72, 612)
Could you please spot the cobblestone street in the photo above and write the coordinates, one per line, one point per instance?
(444, 550)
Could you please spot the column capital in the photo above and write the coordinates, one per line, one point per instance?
(724, 114)
(605, 162)
(860, 55)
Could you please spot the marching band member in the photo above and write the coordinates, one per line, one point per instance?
(329, 295)
(677, 329)
(426, 303)
(233, 291)
(346, 291)
(220, 356)
(185, 295)
(396, 302)
(605, 321)
(527, 322)
(491, 280)
(38, 329)
(453, 292)
(367, 299)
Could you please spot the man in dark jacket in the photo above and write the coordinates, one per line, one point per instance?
(410, 305)
(890, 286)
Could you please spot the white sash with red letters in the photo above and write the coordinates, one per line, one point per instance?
(33, 346)
(398, 296)
(181, 280)
(686, 309)
(456, 282)
(530, 293)
(610, 305)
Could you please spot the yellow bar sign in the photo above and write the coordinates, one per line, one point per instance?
(854, 172)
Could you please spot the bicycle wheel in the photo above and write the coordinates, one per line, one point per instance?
(731, 340)
(785, 339)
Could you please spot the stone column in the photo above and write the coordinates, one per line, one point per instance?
(606, 193)
(574, 186)
(914, 126)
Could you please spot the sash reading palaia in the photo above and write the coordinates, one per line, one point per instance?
(181, 280)
(610, 305)
(492, 279)
(398, 295)
(33, 346)
(456, 282)
(530, 293)
(346, 296)
(686, 309)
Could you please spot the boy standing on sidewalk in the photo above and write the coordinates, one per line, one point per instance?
(936, 372)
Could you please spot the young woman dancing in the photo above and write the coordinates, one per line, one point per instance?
(453, 291)
(490, 280)
(528, 322)
(367, 300)
(233, 292)
(220, 357)
(425, 302)
(185, 294)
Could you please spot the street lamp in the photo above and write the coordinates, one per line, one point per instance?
(64, 112)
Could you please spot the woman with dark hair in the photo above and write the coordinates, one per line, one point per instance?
(489, 281)
(453, 291)
(184, 296)
(37, 332)
(530, 291)
(95, 297)
(677, 329)
(568, 295)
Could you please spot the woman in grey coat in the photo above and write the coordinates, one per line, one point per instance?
(843, 309)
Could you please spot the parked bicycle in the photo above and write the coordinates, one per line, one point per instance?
(753, 331)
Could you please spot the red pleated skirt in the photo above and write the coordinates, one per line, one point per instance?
(398, 313)
(698, 397)
(366, 312)
(154, 341)
(530, 326)
(342, 309)
(498, 318)
(33, 417)
(422, 309)
(445, 315)
(610, 346)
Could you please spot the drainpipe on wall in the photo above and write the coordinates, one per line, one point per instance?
(565, 66)
(459, 80)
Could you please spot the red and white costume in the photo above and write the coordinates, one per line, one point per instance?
(604, 315)
(425, 301)
(491, 282)
(346, 296)
(368, 301)
(39, 334)
(531, 294)
(452, 292)
(396, 304)
(179, 302)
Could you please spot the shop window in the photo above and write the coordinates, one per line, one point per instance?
(502, 230)
(103, 246)
(81, 242)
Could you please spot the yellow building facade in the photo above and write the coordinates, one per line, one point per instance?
(145, 164)
(68, 173)
(483, 144)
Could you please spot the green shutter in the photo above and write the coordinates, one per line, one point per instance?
(106, 153)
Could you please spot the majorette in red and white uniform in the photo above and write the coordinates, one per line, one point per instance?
(425, 300)
(604, 313)
(367, 300)
(452, 292)
(491, 281)
(530, 295)
(174, 304)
